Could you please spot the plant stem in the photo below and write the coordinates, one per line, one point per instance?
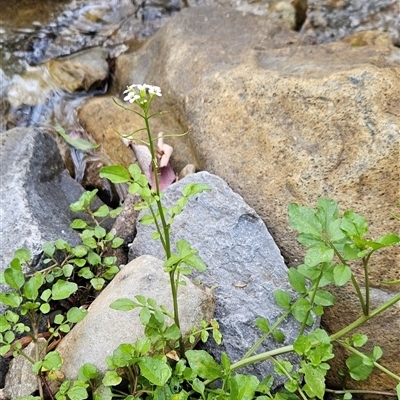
(365, 318)
(353, 279)
(165, 227)
(265, 335)
(377, 392)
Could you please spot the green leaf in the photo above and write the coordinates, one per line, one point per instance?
(67, 269)
(117, 242)
(115, 173)
(300, 310)
(78, 224)
(377, 353)
(156, 371)
(111, 378)
(262, 324)
(282, 298)
(52, 361)
(31, 287)
(86, 273)
(48, 248)
(341, 274)
(84, 201)
(324, 298)
(75, 314)
(102, 211)
(243, 387)
(79, 143)
(328, 212)
(78, 391)
(315, 379)
(11, 299)
(14, 276)
(351, 252)
(354, 225)
(87, 372)
(63, 289)
(278, 335)
(304, 220)
(357, 368)
(302, 345)
(97, 283)
(398, 391)
(124, 304)
(318, 255)
(135, 171)
(99, 232)
(93, 258)
(45, 308)
(147, 219)
(359, 340)
(191, 189)
(198, 386)
(203, 364)
(297, 280)
(80, 251)
(23, 255)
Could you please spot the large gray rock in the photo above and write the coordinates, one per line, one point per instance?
(36, 192)
(104, 329)
(245, 266)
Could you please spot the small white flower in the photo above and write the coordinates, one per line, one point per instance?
(131, 96)
(153, 89)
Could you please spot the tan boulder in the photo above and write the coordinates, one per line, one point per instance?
(85, 70)
(283, 121)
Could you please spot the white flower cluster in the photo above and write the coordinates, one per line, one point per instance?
(135, 92)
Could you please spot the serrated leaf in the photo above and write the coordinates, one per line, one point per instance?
(156, 371)
(354, 225)
(304, 220)
(115, 173)
(93, 258)
(318, 255)
(315, 380)
(79, 143)
(327, 212)
(302, 345)
(203, 364)
(243, 387)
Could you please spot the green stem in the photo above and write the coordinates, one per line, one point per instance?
(265, 335)
(355, 391)
(353, 279)
(303, 324)
(365, 318)
(165, 226)
(365, 261)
